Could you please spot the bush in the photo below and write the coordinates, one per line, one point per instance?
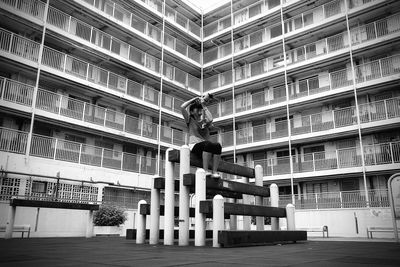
(109, 216)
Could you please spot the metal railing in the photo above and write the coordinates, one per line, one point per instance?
(336, 200)
(305, 53)
(13, 141)
(33, 8)
(19, 46)
(58, 149)
(117, 47)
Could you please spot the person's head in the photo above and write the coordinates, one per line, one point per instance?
(208, 97)
(196, 110)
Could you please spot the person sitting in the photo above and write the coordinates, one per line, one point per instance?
(199, 121)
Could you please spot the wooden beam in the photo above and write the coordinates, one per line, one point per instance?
(145, 210)
(226, 167)
(252, 238)
(227, 185)
(159, 183)
(131, 234)
(53, 204)
(244, 209)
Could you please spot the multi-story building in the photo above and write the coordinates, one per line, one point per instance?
(91, 91)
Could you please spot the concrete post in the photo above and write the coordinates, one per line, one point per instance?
(274, 193)
(218, 218)
(200, 222)
(232, 218)
(290, 214)
(10, 222)
(184, 197)
(154, 214)
(89, 225)
(246, 200)
(169, 205)
(258, 199)
(141, 225)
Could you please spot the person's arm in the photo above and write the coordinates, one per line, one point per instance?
(184, 107)
(207, 116)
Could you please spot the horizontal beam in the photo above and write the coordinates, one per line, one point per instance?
(159, 183)
(226, 167)
(145, 210)
(252, 238)
(131, 234)
(228, 186)
(206, 207)
(53, 204)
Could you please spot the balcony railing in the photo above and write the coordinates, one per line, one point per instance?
(377, 154)
(336, 200)
(117, 47)
(321, 82)
(13, 141)
(58, 149)
(133, 21)
(33, 8)
(12, 91)
(173, 16)
(305, 53)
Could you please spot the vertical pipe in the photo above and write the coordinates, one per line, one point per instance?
(274, 192)
(200, 222)
(154, 214)
(218, 218)
(141, 225)
(290, 213)
(184, 197)
(259, 199)
(169, 204)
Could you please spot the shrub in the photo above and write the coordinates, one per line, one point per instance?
(109, 216)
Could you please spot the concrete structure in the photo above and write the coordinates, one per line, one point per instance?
(91, 90)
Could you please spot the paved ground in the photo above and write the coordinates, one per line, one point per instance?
(117, 251)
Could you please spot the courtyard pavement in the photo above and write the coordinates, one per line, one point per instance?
(117, 251)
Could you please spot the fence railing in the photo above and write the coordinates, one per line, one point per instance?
(117, 47)
(303, 54)
(33, 8)
(13, 141)
(377, 154)
(12, 91)
(336, 200)
(319, 83)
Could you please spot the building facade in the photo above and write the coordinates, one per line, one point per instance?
(91, 93)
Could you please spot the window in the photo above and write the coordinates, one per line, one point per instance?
(75, 138)
(39, 187)
(318, 152)
(276, 31)
(317, 188)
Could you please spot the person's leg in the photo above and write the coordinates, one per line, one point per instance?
(215, 149)
(206, 160)
(216, 160)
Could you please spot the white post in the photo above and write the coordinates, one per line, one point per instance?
(10, 222)
(184, 197)
(259, 200)
(290, 211)
(141, 225)
(89, 225)
(169, 203)
(246, 200)
(274, 193)
(154, 214)
(200, 222)
(218, 218)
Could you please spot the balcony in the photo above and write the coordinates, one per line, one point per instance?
(64, 107)
(61, 150)
(111, 45)
(372, 72)
(33, 8)
(377, 154)
(337, 200)
(307, 54)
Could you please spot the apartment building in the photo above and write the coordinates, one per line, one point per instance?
(91, 92)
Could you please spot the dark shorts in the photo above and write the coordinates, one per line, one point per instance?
(207, 146)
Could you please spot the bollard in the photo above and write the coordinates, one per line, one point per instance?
(218, 218)
(141, 225)
(184, 197)
(200, 222)
(154, 214)
(89, 225)
(274, 193)
(246, 200)
(169, 203)
(290, 214)
(258, 199)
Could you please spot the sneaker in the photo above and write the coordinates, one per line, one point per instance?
(216, 175)
(208, 174)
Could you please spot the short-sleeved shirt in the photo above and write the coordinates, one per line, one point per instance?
(197, 134)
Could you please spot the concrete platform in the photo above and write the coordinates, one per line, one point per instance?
(117, 251)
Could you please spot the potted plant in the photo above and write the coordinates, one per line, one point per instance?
(107, 220)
